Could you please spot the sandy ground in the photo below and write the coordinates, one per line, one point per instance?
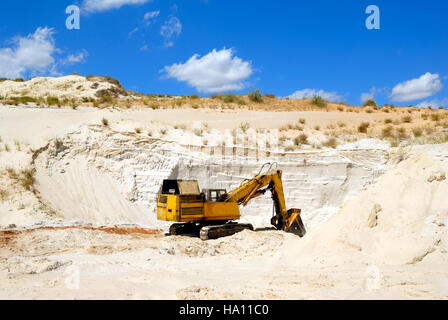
(388, 241)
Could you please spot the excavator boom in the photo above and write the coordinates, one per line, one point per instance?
(284, 219)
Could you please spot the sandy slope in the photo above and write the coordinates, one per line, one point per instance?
(387, 241)
(67, 87)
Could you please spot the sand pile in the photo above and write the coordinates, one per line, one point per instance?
(402, 219)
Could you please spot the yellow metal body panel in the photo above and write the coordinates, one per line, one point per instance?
(168, 207)
(172, 208)
(221, 211)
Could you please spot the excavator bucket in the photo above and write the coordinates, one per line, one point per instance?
(294, 223)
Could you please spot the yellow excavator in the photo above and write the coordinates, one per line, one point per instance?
(212, 212)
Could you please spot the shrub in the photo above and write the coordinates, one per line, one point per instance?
(11, 173)
(402, 133)
(229, 98)
(387, 132)
(194, 97)
(138, 130)
(53, 101)
(435, 117)
(255, 96)
(363, 127)
(268, 95)
(24, 100)
(105, 122)
(18, 146)
(244, 127)
(387, 121)
(302, 121)
(301, 139)
(407, 119)
(3, 194)
(417, 132)
(369, 103)
(331, 143)
(27, 179)
(318, 101)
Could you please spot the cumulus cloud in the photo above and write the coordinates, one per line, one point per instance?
(435, 103)
(218, 71)
(170, 29)
(35, 54)
(309, 93)
(425, 86)
(104, 5)
(29, 54)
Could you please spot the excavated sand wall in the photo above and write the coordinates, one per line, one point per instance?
(127, 169)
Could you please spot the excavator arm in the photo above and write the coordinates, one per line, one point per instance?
(284, 219)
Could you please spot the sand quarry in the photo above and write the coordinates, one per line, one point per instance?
(83, 226)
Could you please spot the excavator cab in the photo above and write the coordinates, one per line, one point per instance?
(214, 195)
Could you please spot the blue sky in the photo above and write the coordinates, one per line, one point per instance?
(289, 48)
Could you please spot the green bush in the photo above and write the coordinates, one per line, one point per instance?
(244, 127)
(318, 101)
(24, 100)
(369, 103)
(229, 98)
(53, 101)
(255, 96)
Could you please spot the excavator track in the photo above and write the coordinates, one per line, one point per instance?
(224, 230)
(178, 229)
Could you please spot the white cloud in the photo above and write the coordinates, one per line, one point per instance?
(218, 71)
(77, 58)
(170, 29)
(425, 86)
(435, 103)
(368, 95)
(150, 15)
(30, 54)
(309, 93)
(35, 54)
(147, 20)
(104, 5)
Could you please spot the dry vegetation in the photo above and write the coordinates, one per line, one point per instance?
(398, 125)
